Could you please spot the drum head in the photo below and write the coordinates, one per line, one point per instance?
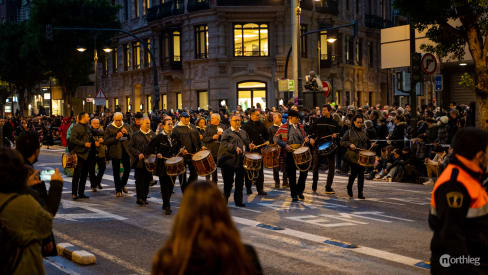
(368, 153)
(64, 160)
(150, 159)
(301, 150)
(174, 160)
(201, 155)
(325, 145)
(253, 156)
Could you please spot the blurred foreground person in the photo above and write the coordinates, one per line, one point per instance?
(204, 239)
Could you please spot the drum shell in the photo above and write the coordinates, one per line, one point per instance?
(271, 156)
(366, 158)
(69, 160)
(328, 150)
(175, 168)
(252, 162)
(204, 166)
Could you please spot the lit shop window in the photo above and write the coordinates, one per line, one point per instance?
(251, 40)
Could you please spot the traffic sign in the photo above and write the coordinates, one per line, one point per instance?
(326, 87)
(438, 83)
(100, 93)
(291, 85)
(428, 63)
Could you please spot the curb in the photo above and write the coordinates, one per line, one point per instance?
(75, 254)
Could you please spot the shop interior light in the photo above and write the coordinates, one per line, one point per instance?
(80, 49)
(107, 49)
(463, 64)
(331, 39)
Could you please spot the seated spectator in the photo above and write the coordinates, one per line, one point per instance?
(24, 221)
(394, 170)
(433, 165)
(204, 240)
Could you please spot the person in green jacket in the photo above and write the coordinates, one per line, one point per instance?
(23, 219)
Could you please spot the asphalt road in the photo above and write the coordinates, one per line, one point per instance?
(387, 232)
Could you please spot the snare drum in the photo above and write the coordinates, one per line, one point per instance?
(366, 158)
(69, 160)
(204, 163)
(175, 166)
(327, 148)
(271, 156)
(252, 161)
(150, 163)
(302, 156)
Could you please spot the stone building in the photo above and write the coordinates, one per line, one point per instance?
(211, 52)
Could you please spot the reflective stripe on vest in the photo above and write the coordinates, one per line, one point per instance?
(478, 195)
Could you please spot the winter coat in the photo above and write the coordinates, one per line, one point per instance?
(115, 146)
(227, 155)
(81, 134)
(359, 139)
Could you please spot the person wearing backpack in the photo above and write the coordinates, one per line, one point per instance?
(24, 223)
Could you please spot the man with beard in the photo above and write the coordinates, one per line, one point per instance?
(117, 138)
(459, 208)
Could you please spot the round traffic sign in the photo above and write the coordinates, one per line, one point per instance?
(428, 63)
(326, 87)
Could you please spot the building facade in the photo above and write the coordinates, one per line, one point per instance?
(214, 52)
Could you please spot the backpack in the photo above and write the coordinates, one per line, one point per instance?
(11, 252)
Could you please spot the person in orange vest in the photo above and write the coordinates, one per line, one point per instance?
(459, 208)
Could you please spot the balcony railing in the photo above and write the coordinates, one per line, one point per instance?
(330, 7)
(171, 63)
(196, 5)
(250, 2)
(166, 9)
(327, 60)
(376, 22)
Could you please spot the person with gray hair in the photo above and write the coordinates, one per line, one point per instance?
(97, 156)
(117, 137)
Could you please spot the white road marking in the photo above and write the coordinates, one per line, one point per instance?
(94, 213)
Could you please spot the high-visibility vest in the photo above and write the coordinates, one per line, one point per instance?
(478, 195)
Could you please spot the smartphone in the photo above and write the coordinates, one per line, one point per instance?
(45, 175)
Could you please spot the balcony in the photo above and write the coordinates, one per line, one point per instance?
(376, 22)
(250, 2)
(171, 63)
(196, 5)
(166, 9)
(330, 7)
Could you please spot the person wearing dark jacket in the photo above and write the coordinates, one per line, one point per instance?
(189, 137)
(28, 146)
(398, 134)
(117, 138)
(211, 139)
(97, 152)
(271, 133)
(459, 203)
(81, 139)
(233, 144)
(139, 149)
(258, 134)
(165, 147)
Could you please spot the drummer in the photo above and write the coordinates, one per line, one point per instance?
(165, 147)
(354, 140)
(138, 147)
(289, 135)
(211, 139)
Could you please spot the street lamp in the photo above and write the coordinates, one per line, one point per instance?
(80, 49)
(107, 50)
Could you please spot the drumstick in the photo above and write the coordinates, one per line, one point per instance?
(329, 135)
(266, 143)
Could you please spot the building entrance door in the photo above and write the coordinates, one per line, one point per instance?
(251, 93)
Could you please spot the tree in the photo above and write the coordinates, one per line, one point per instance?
(59, 55)
(470, 27)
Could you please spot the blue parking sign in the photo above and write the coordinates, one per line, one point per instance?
(438, 83)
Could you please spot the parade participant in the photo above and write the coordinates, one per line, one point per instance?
(258, 134)
(230, 157)
(97, 156)
(271, 133)
(201, 125)
(324, 129)
(211, 139)
(292, 133)
(134, 127)
(165, 147)
(139, 150)
(81, 138)
(189, 137)
(459, 207)
(354, 140)
(117, 137)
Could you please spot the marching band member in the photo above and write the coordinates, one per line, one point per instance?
(271, 133)
(258, 134)
(138, 147)
(230, 158)
(117, 137)
(354, 140)
(98, 157)
(165, 146)
(292, 133)
(324, 126)
(81, 138)
(211, 139)
(189, 137)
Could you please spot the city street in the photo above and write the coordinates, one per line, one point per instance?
(387, 232)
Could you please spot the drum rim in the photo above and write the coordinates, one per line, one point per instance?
(201, 155)
(248, 156)
(169, 161)
(299, 150)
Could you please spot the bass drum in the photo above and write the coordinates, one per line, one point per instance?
(271, 156)
(204, 163)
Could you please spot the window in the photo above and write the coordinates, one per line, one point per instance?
(171, 48)
(358, 98)
(104, 65)
(116, 103)
(106, 104)
(323, 46)
(179, 101)
(176, 46)
(115, 60)
(349, 50)
(148, 103)
(164, 101)
(371, 54)
(147, 5)
(147, 56)
(128, 106)
(359, 51)
(136, 55)
(126, 10)
(358, 3)
(338, 98)
(251, 94)
(251, 40)
(303, 41)
(203, 100)
(201, 41)
(126, 57)
(136, 8)
(370, 99)
(348, 7)
(348, 98)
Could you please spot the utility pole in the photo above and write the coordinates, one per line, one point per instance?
(294, 44)
(414, 78)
